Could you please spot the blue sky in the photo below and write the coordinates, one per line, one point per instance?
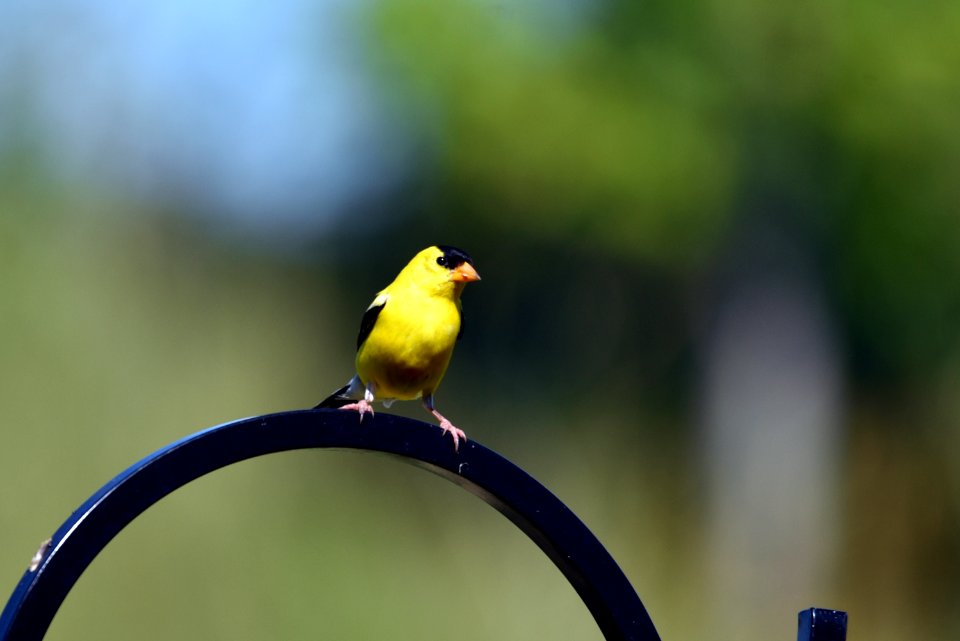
(262, 113)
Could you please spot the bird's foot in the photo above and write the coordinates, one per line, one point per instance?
(455, 432)
(362, 406)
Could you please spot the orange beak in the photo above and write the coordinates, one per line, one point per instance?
(464, 273)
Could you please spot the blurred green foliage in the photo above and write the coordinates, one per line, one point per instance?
(653, 130)
(615, 148)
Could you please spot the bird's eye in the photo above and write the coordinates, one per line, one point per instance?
(442, 261)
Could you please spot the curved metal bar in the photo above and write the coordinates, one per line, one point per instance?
(559, 533)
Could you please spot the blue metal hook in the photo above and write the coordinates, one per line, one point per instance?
(553, 527)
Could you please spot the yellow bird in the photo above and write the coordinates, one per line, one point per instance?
(407, 336)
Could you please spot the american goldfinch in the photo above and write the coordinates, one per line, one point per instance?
(407, 336)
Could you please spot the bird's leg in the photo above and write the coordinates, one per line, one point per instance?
(365, 404)
(455, 432)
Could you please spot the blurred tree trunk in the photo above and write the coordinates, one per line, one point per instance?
(771, 404)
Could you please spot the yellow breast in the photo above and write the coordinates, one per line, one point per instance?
(409, 348)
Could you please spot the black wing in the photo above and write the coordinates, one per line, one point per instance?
(368, 321)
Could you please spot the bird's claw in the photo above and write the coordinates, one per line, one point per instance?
(362, 406)
(455, 433)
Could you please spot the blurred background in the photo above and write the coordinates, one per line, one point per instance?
(719, 315)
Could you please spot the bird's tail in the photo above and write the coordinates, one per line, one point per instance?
(335, 400)
(343, 396)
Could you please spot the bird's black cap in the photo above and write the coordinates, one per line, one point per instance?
(453, 257)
